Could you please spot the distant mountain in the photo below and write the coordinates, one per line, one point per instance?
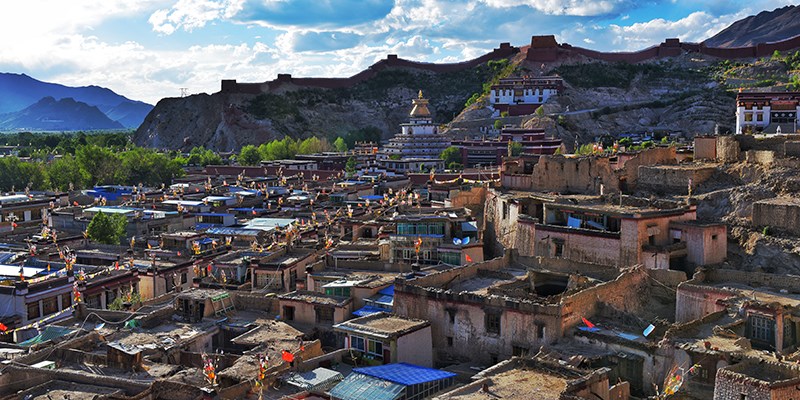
(49, 114)
(18, 91)
(767, 26)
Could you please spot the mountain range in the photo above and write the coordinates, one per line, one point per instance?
(765, 27)
(30, 104)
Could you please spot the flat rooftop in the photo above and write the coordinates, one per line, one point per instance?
(383, 324)
(517, 384)
(782, 201)
(315, 298)
(480, 284)
(268, 331)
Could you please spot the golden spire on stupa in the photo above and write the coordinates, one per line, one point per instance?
(420, 109)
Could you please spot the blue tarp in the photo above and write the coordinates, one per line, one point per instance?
(389, 290)
(364, 387)
(573, 222)
(233, 231)
(405, 374)
(50, 332)
(371, 197)
(627, 336)
(367, 310)
(471, 226)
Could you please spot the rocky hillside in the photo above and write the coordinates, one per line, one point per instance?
(227, 121)
(767, 26)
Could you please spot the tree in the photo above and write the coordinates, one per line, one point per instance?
(350, 167)
(66, 170)
(148, 167)
(99, 162)
(450, 155)
(200, 156)
(498, 124)
(249, 155)
(516, 148)
(107, 228)
(776, 55)
(340, 145)
(539, 111)
(313, 145)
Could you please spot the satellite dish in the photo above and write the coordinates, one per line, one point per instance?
(466, 241)
(456, 241)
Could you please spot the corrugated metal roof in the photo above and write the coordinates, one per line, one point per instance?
(389, 290)
(405, 374)
(364, 387)
(367, 310)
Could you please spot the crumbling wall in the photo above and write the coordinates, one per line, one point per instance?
(792, 148)
(673, 179)
(734, 382)
(476, 196)
(574, 175)
(727, 149)
(649, 157)
(783, 214)
(762, 157)
(501, 229)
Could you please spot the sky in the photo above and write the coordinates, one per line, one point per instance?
(150, 49)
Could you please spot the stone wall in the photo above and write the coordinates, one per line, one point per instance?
(574, 175)
(254, 301)
(783, 214)
(674, 179)
(762, 157)
(728, 150)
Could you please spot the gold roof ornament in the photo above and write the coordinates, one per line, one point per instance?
(420, 109)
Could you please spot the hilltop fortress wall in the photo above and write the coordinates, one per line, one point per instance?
(541, 49)
(392, 61)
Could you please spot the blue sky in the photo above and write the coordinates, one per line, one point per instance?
(149, 49)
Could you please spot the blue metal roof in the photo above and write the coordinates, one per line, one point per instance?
(205, 241)
(372, 197)
(367, 310)
(364, 387)
(384, 299)
(233, 231)
(389, 290)
(405, 374)
(210, 214)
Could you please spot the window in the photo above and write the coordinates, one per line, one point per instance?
(324, 315)
(66, 300)
(449, 341)
(288, 313)
(748, 117)
(505, 210)
(33, 310)
(184, 278)
(93, 301)
(651, 240)
(713, 237)
(493, 323)
(540, 331)
(374, 347)
(50, 306)
(759, 117)
(338, 291)
(761, 328)
(452, 314)
(357, 343)
(559, 250)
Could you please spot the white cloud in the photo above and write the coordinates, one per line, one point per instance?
(565, 7)
(695, 27)
(192, 14)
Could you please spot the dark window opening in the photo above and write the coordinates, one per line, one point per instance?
(493, 323)
(449, 341)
